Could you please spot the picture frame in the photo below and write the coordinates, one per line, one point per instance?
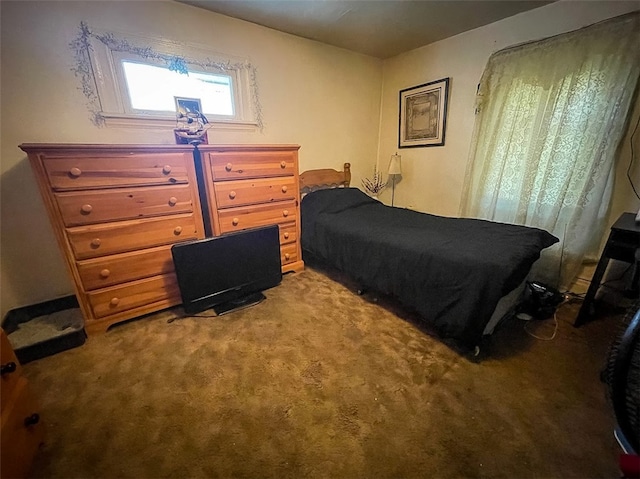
(188, 119)
(184, 106)
(423, 114)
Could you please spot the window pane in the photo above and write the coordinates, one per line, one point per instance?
(153, 88)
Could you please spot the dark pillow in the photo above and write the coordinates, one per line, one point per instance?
(335, 200)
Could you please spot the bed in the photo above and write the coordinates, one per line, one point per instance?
(459, 274)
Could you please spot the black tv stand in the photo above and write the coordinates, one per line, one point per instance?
(623, 242)
(240, 303)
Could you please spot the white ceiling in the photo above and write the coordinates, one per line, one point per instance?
(379, 28)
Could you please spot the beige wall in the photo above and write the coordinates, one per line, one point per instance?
(433, 177)
(324, 98)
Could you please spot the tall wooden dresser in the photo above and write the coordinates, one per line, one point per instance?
(116, 210)
(254, 185)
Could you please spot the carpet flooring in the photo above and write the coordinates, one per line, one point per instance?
(319, 382)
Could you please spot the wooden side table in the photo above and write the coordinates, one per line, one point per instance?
(22, 428)
(624, 240)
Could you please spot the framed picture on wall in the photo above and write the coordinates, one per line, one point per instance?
(423, 114)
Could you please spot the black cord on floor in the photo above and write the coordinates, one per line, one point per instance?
(171, 320)
(633, 187)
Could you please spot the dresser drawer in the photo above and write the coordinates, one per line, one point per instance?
(20, 440)
(248, 192)
(234, 165)
(135, 294)
(111, 238)
(13, 370)
(235, 219)
(288, 233)
(121, 268)
(288, 253)
(99, 206)
(65, 173)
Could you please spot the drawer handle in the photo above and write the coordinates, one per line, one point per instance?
(228, 167)
(75, 172)
(285, 213)
(32, 420)
(177, 230)
(105, 273)
(235, 221)
(287, 256)
(232, 194)
(283, 164)
(86, 209)
(114, 302)
(95, 243)
(173, 201)
(284, 189)
(286, 236)
(8, 368)
(166, 169)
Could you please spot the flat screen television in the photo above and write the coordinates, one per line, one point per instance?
(227, 272)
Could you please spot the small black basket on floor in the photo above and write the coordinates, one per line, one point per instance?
(67, 332)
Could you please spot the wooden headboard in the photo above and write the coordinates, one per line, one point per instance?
(312, 180)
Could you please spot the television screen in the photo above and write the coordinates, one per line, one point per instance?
(227, 272)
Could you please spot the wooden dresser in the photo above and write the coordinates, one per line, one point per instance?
(116, 210)
(254, 185)
(22, 428)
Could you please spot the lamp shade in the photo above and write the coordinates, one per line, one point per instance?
(395, 167)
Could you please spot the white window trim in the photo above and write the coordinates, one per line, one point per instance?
(98, 53)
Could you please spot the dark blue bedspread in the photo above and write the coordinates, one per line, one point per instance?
(452, 271)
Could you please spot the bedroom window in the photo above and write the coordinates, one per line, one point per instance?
(152, 88)
(130, 80)
(551, 115)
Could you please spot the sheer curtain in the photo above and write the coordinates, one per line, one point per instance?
(550, 116)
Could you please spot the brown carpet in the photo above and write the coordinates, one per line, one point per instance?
(319, 382)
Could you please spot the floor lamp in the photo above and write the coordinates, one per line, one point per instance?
(395, 169)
